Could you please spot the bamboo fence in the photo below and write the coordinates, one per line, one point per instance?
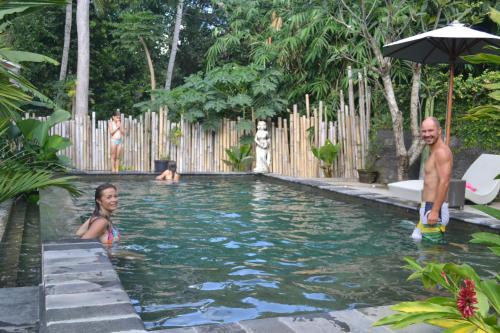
(152, 136)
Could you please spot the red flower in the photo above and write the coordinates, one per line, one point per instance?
(466, 299)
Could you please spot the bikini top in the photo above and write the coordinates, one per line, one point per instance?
(113, 232)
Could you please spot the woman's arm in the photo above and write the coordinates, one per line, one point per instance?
(83, 228)
(96, 229)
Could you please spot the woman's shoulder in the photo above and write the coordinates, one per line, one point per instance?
(99, 219)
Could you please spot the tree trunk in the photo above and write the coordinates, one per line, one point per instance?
(397, 127)
(175, 41)
(416, 144)
(67, 40)
(82, 74)
(150, 65)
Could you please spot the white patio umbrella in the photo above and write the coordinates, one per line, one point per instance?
(444, 45)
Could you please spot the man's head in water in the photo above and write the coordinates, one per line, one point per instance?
(430, 130)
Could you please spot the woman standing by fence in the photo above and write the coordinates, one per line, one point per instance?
(117, 133)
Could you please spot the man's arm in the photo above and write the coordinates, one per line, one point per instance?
(443, 164)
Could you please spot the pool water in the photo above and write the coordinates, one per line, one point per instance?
(214, 250)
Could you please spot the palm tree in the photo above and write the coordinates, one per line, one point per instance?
(175, 42)
(67, 40)
(83, 63)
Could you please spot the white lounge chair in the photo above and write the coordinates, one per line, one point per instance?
(407, 189)
(480, 175)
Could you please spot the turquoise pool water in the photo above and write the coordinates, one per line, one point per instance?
(212, 250)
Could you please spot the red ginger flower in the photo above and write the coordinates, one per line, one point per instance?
(466, 299)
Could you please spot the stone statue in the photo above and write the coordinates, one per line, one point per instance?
(262, 153)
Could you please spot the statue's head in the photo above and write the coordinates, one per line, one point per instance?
(261, 125)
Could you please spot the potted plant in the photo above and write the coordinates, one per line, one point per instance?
(327, 154)
(162, 163)
(368, 174)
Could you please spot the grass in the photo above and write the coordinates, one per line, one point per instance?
(488, 210)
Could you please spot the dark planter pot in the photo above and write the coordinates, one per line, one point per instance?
(161, 165)
(366, 176)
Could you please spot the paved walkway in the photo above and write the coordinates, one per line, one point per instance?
(352, 321)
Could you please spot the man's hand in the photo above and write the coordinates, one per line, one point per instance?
(433, 217)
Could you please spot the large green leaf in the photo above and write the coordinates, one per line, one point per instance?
(56, 143)
(58, 116)
(482, 303)
(22, 56)
(492, 290)
(13, 183)
(462, 328)
(28, 126)
(401, 320)
(423, 306)
(486, 238)
(483, 58)
(490, 112)
(9, 11)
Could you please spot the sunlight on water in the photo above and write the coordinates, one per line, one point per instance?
(213, 250)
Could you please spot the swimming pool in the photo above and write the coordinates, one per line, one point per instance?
(224, 249)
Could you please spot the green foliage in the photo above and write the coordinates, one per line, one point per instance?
(229, 91)
(240, 158)
(16, 180)
(135, 25)
(489, 112)
(175, 135)
(327, 154)
(483, 296)
(39, 145)
(27, 151)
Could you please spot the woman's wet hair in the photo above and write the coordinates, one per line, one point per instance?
(172, 166)
(98, 195)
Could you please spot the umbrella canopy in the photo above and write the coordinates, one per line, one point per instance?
(444, 45)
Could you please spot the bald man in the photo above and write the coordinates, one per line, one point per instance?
(434, 215)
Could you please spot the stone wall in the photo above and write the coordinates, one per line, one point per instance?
(5, 208)
(387, 164)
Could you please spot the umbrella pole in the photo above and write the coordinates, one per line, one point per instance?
(450, 103)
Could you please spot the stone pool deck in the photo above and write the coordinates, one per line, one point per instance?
(380, 194)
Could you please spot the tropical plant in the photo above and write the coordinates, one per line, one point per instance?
(240, 158)
(230, 91)
(24, 161)
(327, 154)
(489, 111)
(136, 30)
(175, 135)
(38, 145)
(474, 304)
(16, 178)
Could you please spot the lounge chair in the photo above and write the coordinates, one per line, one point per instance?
(407, 189)
(479, 176)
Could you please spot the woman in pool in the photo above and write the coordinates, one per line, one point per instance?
(170, 173)
(99, 225)
(117, 133)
